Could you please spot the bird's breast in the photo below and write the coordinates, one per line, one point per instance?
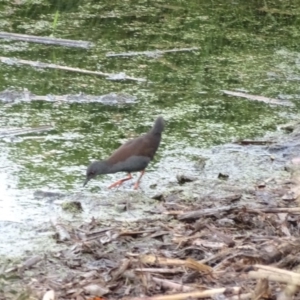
(131, 164)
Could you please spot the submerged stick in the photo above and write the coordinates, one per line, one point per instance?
(153, 53)
(45, 40)
(21, 131)
(37, 64)
(267, 100)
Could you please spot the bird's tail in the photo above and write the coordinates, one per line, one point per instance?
(158, 126)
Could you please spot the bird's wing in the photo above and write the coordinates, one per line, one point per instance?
(144, 145)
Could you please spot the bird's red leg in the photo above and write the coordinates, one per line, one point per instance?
(139, 179)
(119, 182)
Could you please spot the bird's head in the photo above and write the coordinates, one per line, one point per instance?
(94, 169)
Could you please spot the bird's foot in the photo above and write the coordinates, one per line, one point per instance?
(116, 184)
(120, 182)
(137, 184)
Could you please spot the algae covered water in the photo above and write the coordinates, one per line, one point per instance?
(230, 46)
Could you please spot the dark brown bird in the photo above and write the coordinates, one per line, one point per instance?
(133, 156)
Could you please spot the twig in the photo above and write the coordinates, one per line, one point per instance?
(188, 263)
(205, 212)
(110, 76)
(291, 210)
(21, 131)
(274, 277)
(261, 290)
(160, 270)
(30, 262)
(45, 40)
(258, 98)
(61, 232)
(168, 284)
(196, 294)
(276, 270)
(275, 274)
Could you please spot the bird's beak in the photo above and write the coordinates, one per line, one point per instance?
(86, 181)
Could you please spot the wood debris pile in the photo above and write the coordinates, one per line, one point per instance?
(196, 252)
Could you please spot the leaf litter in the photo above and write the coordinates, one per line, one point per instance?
(234, 243)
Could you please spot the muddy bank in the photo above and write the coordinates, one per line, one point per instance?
(233, 207)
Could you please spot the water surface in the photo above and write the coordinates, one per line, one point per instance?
(241, 46)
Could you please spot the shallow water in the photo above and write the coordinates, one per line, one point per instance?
(240, 46)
